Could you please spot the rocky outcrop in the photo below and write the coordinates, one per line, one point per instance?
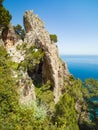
(16, 55)
(9, 37)
(10, 40)
(26, 89)
(53, 68)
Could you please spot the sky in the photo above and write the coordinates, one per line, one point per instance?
(75, 22)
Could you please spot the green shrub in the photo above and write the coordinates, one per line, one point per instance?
(32, 58)
(53, 38)
(65, 115)
(5, 16)
(45, 96)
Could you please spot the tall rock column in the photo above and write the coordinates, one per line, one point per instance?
(53, 68)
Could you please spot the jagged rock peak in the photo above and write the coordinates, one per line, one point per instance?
(36, 21)
(53, 68)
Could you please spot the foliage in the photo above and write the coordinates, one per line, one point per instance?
(14, 116)
(53, 38)
(91, 86)
(41, 115)
(45, 96)
(73, 87)
(37, 116)
(22, 47)
(20, 31)
(1, 1)
(32, 58)
(65, 114)
(5, 16)
(90, 93)
(8, 94)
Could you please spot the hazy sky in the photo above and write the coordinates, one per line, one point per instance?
(75, 22)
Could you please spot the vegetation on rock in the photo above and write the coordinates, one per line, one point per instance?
(14, 116)
(53, 38)
(69, 113)
(65, 115)
(32, 57)
(43, 114)
(90, 94)
(20, 31)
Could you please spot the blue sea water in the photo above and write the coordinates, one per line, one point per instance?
(82, 66)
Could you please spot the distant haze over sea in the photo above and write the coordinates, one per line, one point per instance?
(82, 66)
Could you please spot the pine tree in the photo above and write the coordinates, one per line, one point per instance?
(5, 16)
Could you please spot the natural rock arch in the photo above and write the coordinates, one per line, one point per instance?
(53, 68)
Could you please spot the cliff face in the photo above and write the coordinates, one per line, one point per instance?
(53, 68)
(10, 40)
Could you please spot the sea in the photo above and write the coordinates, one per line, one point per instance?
(82, 66)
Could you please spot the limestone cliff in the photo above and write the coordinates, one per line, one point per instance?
(53, 68)
(10, 40)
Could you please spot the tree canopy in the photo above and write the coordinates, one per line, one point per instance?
(53, 38)
(20, 31)
(65, 114)
(1, 1)
(5, 16)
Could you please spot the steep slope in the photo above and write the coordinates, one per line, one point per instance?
(36, 60)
